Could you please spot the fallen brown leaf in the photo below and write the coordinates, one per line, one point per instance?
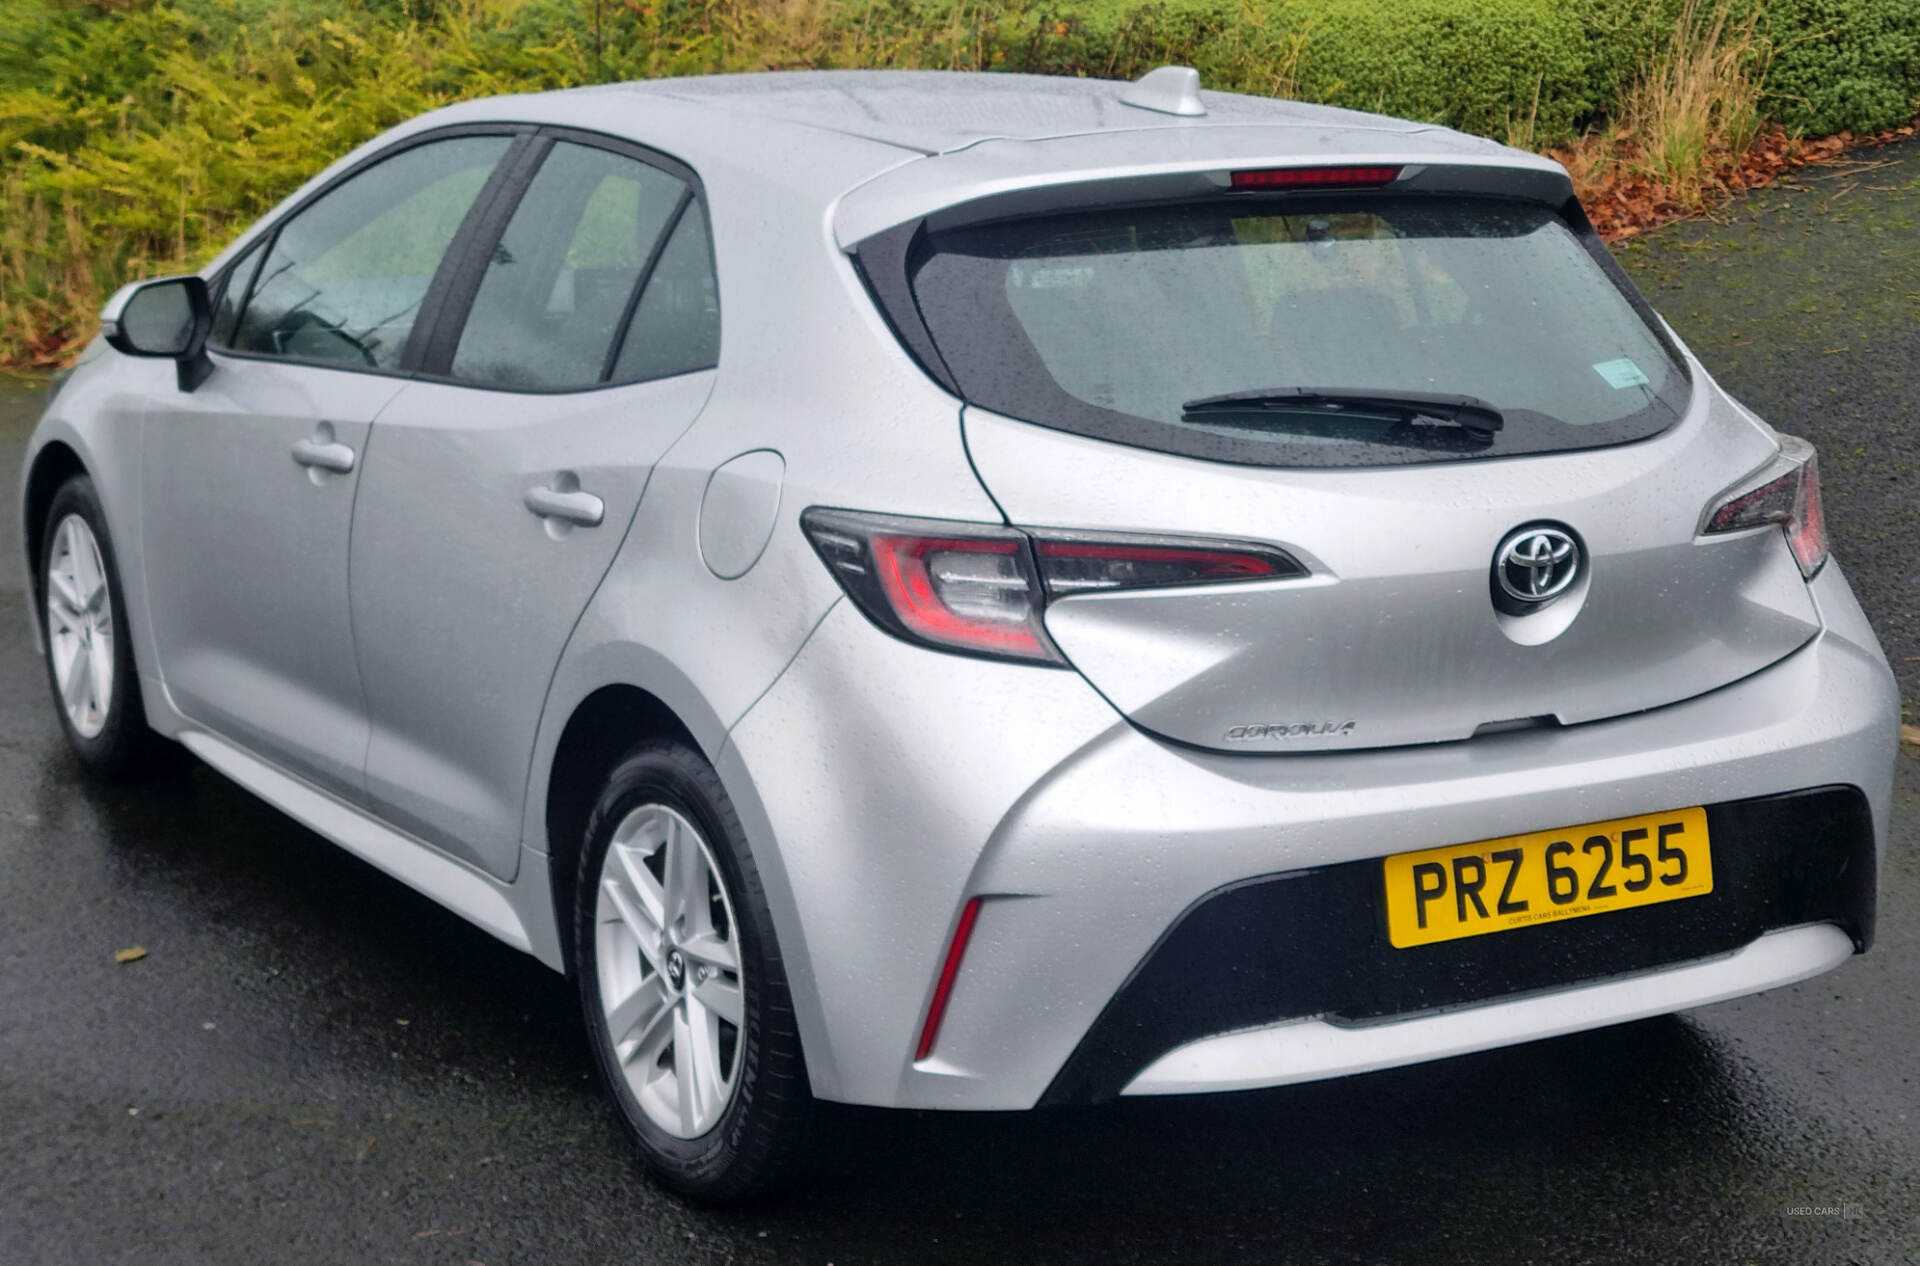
(131, 954)
(1910, 735)
(1626, 200)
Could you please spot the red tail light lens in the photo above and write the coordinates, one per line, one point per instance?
(983, 590)
(1316, 178)
(1071, 565)
(1791, 500)
(960, 591)
(958, 586)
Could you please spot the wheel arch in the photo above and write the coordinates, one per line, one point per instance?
(55, 463)
(602, 728)
(621, 694)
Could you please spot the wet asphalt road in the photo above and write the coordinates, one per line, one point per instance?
(313, 1064)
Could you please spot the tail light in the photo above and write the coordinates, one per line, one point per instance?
(983, 590)
(1070, 563)
(958, 586)
(1790, 500)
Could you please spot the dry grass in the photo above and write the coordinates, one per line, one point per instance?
(1690, 129)
(1700, 104)
(1523, 133)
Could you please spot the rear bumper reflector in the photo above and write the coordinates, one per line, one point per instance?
(956, 950)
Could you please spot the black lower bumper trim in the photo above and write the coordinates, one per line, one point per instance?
(1314, 943)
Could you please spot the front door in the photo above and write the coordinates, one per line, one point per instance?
(493, 503)
(248, 483)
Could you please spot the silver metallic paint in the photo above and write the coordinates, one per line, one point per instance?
(881, 785)
(1395, 628)
(249, 596)
(740, 511)
(463, 599)
(1108, 835)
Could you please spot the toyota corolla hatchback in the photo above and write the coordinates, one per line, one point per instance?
(960, 591)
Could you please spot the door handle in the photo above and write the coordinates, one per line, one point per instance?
(568, 504)
(323, 452)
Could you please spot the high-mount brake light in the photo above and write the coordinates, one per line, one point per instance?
(1315, 177)
(983, 590)
(1791, 500)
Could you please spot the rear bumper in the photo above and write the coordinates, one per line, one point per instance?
(1310, 1050)
(894, 785)
(1303, 958)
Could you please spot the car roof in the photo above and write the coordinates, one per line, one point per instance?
(891, 145)
(936, 112)
(881, 147)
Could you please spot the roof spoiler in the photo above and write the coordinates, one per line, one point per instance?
(998, 181)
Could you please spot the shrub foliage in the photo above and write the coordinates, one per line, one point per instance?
(136, 136)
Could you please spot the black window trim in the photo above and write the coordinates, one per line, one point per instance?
(255, 252)
(455, 276)
(451, 322)
(443, 312)
(467, 257)
(640, 284)
(270, 236)
(886, 260)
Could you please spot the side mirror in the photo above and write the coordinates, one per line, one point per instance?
(169, 317)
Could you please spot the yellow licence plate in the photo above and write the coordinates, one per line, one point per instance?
(1441, 894)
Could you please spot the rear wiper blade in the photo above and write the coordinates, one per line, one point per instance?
(1470, 412)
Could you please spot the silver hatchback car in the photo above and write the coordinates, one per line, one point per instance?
(958, 591)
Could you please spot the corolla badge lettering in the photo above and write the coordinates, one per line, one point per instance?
(1287, 730)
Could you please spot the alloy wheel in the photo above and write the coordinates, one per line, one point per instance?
(672, 993)
(80, 626)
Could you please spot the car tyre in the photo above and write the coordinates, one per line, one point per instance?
(681, 983)
(88, 651)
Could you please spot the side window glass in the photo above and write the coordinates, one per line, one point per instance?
(560, 279)
(233, 293)
(346, 276)
(676, 328)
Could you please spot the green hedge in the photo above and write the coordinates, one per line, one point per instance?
(1843, 64)
(137, 135)
(1474, 65)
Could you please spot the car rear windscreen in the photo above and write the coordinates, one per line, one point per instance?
(1302, 332)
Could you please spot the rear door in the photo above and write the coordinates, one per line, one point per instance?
(248, 482)
(581, 344)
(1317, 372)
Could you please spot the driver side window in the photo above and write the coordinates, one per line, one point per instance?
(344, 279)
